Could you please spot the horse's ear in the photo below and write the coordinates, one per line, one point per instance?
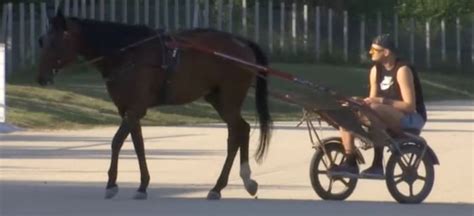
(58, 22)
(59, 13)
(58, 9)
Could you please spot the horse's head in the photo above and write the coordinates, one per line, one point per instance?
(59, 47)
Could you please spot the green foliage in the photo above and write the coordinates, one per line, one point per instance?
(435, 9)
(424, 9)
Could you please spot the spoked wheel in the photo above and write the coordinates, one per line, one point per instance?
(330, 188)
(407, 182)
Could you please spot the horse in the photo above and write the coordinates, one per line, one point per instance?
(140, 70)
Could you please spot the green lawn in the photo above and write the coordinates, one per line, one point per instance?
(79, 100)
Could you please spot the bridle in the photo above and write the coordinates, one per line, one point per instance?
(159, 34)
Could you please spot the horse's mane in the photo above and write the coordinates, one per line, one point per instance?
(108, 37)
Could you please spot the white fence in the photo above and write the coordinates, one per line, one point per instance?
(2, 84)
(287, 30)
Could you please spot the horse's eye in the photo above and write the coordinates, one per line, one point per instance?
(40, 42)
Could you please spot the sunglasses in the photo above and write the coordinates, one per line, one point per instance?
(372, 49)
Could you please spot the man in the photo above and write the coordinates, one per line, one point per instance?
(395, 95)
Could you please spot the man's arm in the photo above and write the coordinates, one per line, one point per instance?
(407, 90)
(373, 82)
(372, 85)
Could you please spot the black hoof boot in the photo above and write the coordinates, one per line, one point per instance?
(213, 195)
(140, 195)
(252, 187)
(111, 192)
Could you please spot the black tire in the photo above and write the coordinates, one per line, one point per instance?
(410, 175)
(334, 148)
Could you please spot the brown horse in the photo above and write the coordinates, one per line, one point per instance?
(139, 72)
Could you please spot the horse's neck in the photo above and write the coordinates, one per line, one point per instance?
(95, 59)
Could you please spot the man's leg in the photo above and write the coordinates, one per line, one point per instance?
(347, 141)
(391, 117)
(349, 166)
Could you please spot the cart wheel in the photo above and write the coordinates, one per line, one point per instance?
(330, 188)
(417, 181)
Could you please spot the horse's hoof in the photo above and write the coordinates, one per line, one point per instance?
(140, 195)
(212, 195)
(251, 186)
(111, 192)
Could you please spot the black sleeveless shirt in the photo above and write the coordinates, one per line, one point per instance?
(387, 85)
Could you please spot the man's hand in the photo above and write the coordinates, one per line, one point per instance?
(373, 100)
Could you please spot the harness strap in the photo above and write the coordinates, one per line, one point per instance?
(170, 59)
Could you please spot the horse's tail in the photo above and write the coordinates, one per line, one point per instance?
(261, 101)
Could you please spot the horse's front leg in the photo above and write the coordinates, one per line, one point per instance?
(117, 142)
(137, 138)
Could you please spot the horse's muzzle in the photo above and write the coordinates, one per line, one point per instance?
(44, 80)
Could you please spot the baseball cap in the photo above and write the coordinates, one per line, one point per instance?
(386, 41)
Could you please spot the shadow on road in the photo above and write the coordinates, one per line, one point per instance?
(70, 198)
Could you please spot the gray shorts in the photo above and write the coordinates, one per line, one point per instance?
(412, 121)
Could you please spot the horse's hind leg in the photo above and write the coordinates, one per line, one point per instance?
(245, 173)
(117, 142)
(238, 135)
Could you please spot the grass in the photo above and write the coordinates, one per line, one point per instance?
(79, 99)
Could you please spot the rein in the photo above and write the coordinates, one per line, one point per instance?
(268, 70)
(97, 59)
(180, 42)
(123, 49)
(343, 100)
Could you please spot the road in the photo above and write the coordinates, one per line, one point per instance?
(64, 172)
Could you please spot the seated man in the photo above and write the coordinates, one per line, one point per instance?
(395, 95)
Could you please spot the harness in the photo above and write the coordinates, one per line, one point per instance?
(169, 51)
(169, 60)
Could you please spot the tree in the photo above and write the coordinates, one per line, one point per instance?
(435, 9)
